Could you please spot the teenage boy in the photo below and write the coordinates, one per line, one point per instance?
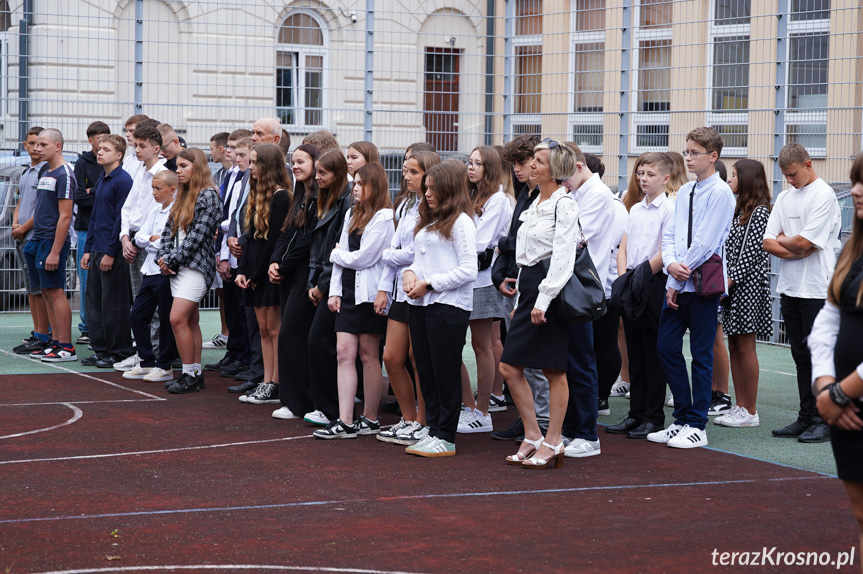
(171, 146)
(803, 231)
(641, 252)
(87, 174)
(48, 249)
(155, 289)
(218, 145)
(22, 232)
(702, 217)
(519, 152)
(108, 296)
(132, 164)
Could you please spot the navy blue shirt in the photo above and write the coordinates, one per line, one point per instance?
(104, 230)
(54, 185)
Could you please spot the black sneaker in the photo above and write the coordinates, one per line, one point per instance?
(793, 430)
(817, 432)
(720, 403)
(496, 404)
(39, 354)
(84, 339)
(224, 362)
(336, 429)
(92, 360)
(242, 387)
(232, 369)
(32, 345)
(265, 394)
(514, 431)
(185, 384)
(60, 354)
(603, 407)
(366, 427)
(245, 375)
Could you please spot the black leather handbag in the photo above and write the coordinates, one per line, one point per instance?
(582, 299)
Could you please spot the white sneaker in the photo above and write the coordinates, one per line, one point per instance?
(669, 402)
(157, 374)
(688, 437)
(284, 413)
(410, 434)
(475, 422)
(422, 442)
(627, 394)
(619, 388)
(128, 363)
(581, 448)
(387, 435)
(665, 435)
(218, 341)
(718, 420)
(739, 417)
(136, 372)
(317, 418)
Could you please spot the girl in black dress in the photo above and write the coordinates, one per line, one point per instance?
(837, 356)
(357, 269)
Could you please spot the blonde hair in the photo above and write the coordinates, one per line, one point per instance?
(183, 211)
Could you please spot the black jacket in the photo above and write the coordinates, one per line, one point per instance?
(324, 237)
(87, 174)
(638, 294)
(505, 266)
(294, 244)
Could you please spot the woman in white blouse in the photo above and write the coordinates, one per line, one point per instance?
(538, 335)
(439, 286)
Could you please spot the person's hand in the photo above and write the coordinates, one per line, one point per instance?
(52, 262)
(234, 247)
(85, 261)
(671, 299)
(164, 267)
(241, 281)
(273, 273)
(106, 264)
(679, 271)
(537, 316)
(18, 233)
(848, 419)
(315, 295)
(129, 249)
(225, 270)
(154, 238)
(380, 304)
(408, 281)
(335, 304)
(418, 290)
(507, 288)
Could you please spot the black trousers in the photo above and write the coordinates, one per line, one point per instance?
(108, 300)
(155, 291)
(581, 378)
(438, 334)
(297, 315)
(606, 351)
(323, 364)
(256, 358)
(238, 347)
(799, 316)
(647, 393)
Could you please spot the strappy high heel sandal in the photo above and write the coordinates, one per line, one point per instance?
(536, 463)
(517, 459)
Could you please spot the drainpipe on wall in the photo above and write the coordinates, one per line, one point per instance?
(489, 72)
(23, 72)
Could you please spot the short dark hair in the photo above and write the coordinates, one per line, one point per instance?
(708, 138)
(98, 128)
(721, 170)
(519, 148)
(116, 141)
(136, 119)
(148, 133)
(594, 164)
(149, 122)
(239, 134)
(34, 131)
(220, 139)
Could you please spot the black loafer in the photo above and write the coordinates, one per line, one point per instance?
(793, 430)
(107, 361)
(627, 425)
(224, 362)
(817, 432)
(515, 430)
(91, 360)
(242, 387)
(244, 375)
(644, 429)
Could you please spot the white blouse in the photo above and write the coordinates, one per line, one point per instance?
(399, 255)
(366, 260)
(540, 237)
(822, 341)
(490, 227)
(450, 264)
(153, 224)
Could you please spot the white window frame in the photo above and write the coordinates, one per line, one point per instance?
(797, 117)
(303, 50)
(578, 38)
(637, 117)
(519, 41)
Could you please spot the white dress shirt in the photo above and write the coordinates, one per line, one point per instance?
(490, 227)
(366, 260)
(596, 215)
(140, 200)
(132, 165)
(153, 224)
(540, 237)
(400, 254)
(647, 224)
(450, 264)
(224, 251)
(822, 342)
(621, 219)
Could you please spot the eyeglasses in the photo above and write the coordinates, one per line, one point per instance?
(163, 147)
(471, 164)
(551, 143)
(693, 154)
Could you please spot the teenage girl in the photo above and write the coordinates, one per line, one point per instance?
(357, 269)
(187, 254)
(360, 154)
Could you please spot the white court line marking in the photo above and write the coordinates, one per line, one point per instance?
(76, 414)
(685, 356)
(225, 567)
(77, 402)
(158, 451)
(85, 375)
(405, 497)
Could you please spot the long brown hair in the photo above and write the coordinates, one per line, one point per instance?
(183, 211)
(450, 189)
(415, 149)
(376, 195)
(506, 174)
(334, 162)
(853, 249)
(678, 175)
(752, 188)
(491, 178)
(633, 190)
(272, 176)
(368, 150)
(304, 191)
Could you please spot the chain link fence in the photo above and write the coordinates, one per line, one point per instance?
(618, 77)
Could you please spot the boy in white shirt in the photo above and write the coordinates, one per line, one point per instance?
(803, 230)
(155, 289)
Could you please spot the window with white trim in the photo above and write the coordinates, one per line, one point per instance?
(652, 91)
(729, 92)
(528, 67)
(808, 64)
(588, 75)
(300, 64)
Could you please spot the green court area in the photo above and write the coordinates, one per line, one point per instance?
(777, 396)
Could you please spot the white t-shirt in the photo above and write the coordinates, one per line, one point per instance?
(813, 213)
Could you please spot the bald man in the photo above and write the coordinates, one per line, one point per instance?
(267, 130)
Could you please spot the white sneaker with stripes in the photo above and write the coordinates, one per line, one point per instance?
(666, 434)
(688, 437)
(475, 422)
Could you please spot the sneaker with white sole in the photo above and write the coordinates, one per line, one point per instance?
(410, 434)
(421, 436)
(720, 403)
(284, 413)
(475, 422)
(367, 427)
(433, 448)
(665, 435)
(127, 364)
(497, 404)
(387, 435)
(602, 408)
(218, 341)
(718, 420)
(265, 394)
(317, 418)
(739, 417)
(137, 372)
(688, 437)
(627, 395)
(336, 429)
(60, 354)
(244, 398)
(582, 448)
(158, 374)
(619, 389)
(669, 402)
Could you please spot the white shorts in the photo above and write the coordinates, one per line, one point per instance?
(189, 284)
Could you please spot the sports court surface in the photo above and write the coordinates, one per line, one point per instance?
(101, 474)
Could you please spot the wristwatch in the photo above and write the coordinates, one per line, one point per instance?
(429, 285)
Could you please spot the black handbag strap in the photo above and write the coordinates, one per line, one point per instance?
(691, 204)
(583, 240)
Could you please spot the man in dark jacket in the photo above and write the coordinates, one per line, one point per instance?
(87, 174)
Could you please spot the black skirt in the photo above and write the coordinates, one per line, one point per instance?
(399, 311)
(353, 318)
(535, 346)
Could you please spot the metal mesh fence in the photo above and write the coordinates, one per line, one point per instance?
(618, 77)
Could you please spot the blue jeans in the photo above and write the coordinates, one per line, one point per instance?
(698, 314)
(82, 282)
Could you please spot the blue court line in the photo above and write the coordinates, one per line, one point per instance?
(406, 497)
